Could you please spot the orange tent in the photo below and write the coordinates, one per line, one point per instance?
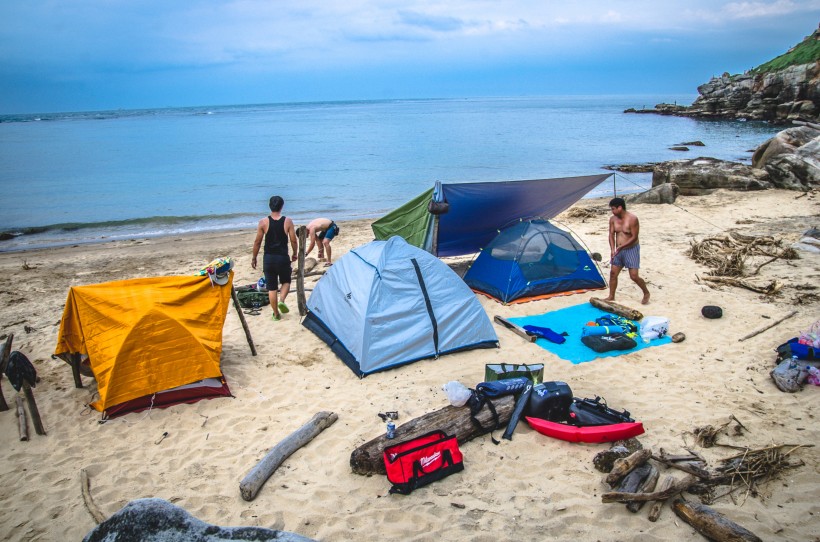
(146, 336)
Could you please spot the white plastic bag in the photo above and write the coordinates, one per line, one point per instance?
(457, 393)
(653, 327)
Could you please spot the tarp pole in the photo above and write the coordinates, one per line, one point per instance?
(242, 320)
(434, 244)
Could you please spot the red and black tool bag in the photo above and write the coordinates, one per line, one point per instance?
(417, 462)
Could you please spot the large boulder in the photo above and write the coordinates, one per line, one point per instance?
(791, 158)
(664, 193)
(704, 175)
(156, 520)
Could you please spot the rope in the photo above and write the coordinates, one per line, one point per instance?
(675, 205)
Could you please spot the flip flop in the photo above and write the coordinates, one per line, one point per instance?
(283, 308)
(275, 317)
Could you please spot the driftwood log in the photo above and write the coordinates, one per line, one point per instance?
(646, 484)
(712, 524)
(367, 459)
(4, 359)
(770, 326)
(671, 491)
(518, 330)
(256, 478)
(657, 506)
(616, 308)
(22, 423)
(85, 484)
(624, 466)
(245, 327)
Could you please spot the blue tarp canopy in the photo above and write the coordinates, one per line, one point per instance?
(477, 211)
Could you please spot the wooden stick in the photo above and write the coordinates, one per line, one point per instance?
(625, 465)
(647, 485)
(617, 308)
(256, 478)
(4, 359)
(301, 300)
(238, 308)
(75, 368)
(761, 330)
(22, 423)
(32, 407)
(95, 512)
(657, 506)
(711, 523)
(521, 332)
(685, 466)
(674, 489)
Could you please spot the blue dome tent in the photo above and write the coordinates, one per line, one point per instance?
(532, 259)
(388, 303)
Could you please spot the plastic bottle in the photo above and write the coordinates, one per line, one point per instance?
(391, 429)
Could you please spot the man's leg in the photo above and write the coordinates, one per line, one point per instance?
(283, 291)
(326, 244)
(633, 274)
(614, 271)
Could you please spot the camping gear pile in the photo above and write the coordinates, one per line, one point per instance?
(798, 360)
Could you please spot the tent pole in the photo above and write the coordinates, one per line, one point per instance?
(614, 188)
(434, 244)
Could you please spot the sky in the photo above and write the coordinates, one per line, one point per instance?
(91, 55)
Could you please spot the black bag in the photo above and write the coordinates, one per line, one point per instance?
(587, 412)
(605, 343)
(550, 401)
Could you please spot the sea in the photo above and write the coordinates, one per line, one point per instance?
(84, 177)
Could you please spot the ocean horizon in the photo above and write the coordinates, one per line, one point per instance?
(84, 177)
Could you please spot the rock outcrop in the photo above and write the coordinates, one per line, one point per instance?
(791, 158)
(156, 520)
(705, 175)
(782, 90)
(664, 193)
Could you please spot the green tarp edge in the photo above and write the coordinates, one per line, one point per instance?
(409, 221)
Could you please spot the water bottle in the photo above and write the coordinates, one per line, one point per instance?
(391, 429)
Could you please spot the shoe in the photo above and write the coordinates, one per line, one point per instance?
(283, 308)
(275, 317)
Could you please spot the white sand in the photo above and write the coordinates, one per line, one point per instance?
(530, 488)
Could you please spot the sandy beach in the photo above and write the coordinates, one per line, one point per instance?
(530, 488)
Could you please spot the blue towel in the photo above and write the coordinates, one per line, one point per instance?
(572, 320)
(546, 333)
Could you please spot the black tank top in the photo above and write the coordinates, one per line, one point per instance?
(276, 242)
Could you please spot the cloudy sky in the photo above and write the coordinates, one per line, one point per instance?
(73, 55)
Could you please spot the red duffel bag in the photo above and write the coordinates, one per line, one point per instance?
(417, 462)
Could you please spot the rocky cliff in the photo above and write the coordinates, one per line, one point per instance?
(785, 89)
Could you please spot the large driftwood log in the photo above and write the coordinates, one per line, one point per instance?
(674, 489)
(368, 459)
(256, 478)
(624, 466)
(22, 423)
(616, 308)
(657, 506)
(646, 485)
(712, 524)
(4, 359)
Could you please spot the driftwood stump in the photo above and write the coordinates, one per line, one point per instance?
(256, 478)
(368, 459)
(712, 524)
(616, 308)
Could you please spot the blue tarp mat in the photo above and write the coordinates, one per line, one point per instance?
(571, 320)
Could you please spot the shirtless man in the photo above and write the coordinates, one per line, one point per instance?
(321, 232)
(625, 247)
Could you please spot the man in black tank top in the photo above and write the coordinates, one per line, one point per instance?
(276, 230)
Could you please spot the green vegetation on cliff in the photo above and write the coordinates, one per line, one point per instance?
(804, 52)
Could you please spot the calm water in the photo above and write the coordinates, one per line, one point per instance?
(83, 177)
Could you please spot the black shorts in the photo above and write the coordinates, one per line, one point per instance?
(277, 269)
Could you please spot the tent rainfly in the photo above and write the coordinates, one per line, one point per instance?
(475, 212)
(388, 303)
(150, 342)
